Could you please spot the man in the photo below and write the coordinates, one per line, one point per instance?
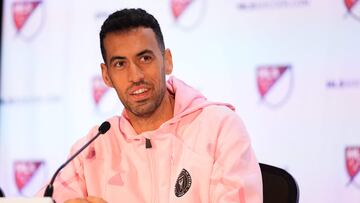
(170, 144)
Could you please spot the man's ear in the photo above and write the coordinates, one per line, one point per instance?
(105, 75)
(168, 62)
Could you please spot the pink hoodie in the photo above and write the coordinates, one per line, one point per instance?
(202, 154)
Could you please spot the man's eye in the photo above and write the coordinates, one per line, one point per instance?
(145, 59)
(119, 64)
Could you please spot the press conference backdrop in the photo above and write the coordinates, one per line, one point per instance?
(290, 67)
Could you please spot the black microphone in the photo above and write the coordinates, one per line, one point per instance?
(1, 193)
(104, 127)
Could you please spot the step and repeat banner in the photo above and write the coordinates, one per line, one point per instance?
(290, 67)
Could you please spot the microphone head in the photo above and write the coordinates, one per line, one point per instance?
(104, 127)
(1, 193)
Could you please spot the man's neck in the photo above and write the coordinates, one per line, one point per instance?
(162, 114)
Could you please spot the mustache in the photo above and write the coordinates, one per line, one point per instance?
(141, 82)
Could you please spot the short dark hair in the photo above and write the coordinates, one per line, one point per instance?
(127, 19)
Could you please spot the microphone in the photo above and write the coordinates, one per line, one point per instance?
(104, 127)
(2, 193)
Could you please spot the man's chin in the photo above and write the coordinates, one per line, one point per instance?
(143, 111)
(143, 114)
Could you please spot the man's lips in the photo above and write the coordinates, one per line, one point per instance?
(140, 93)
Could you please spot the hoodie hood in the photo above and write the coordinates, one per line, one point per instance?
(187, 101)
(188, 98)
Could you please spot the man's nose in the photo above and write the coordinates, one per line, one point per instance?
(136, 73)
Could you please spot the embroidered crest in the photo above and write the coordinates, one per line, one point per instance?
(183, 183)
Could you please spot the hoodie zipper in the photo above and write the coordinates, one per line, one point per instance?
(151, 158)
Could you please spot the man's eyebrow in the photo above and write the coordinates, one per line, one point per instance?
(146, 51)
(116, 58)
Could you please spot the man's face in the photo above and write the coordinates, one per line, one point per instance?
(136, 68)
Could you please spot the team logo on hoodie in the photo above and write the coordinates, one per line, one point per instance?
(274, 83)
(187, 13)
(183, 183)
(28, 16)
(352, 157)
(353, 8)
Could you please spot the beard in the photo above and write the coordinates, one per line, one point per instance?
(147, 107)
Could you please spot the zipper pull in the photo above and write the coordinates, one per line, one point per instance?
(148, 143)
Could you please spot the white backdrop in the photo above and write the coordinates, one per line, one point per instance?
(291, 68)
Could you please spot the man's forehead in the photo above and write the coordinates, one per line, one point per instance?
(131, 39)
(130, 43)
(132, 32)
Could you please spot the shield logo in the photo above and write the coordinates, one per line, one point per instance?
(183, 183)
(353, 8)
(350, 3)
(27, 17)
(106, 102)
(274, 83)
(98, 89)
(352, 157)
(179, 6)
(24, 171)
(187, 13)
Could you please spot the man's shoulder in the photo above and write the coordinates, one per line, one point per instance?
(219, 109)
(220, 114)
